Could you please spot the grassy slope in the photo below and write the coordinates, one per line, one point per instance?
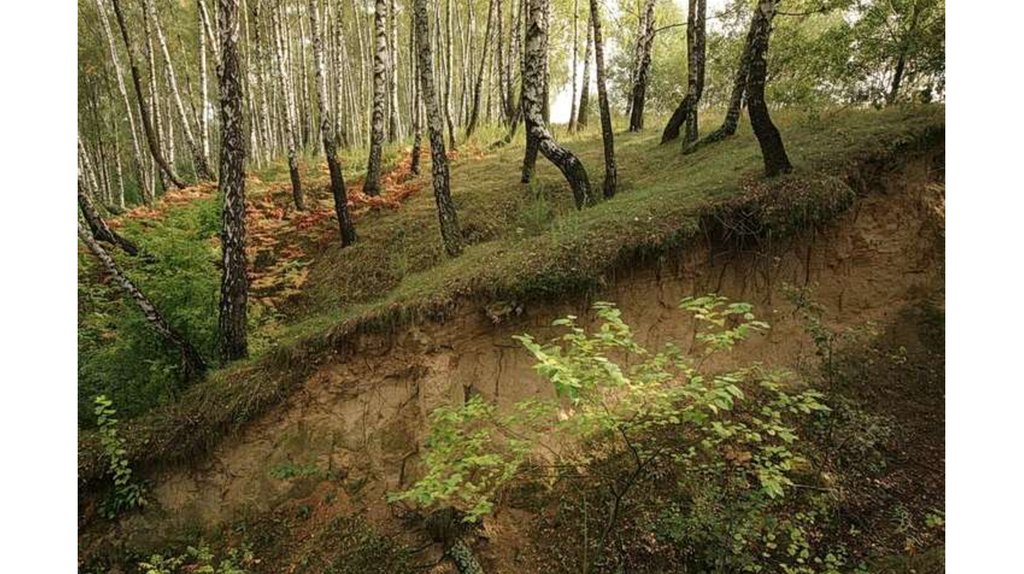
(526, 242)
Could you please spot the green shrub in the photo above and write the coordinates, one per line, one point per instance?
(727, 437)
(119, 354)
(200, 560)
(126, 493)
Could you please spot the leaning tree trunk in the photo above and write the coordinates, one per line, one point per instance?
(607, 135)
(234, 286)
(202, 166)
(291, 134)
(474, 110)
(686, 112)
(533, 93)
(739, 88)
(644, 42)
(772, 150)
(147, 126)
(371, 186)
(447, 218)
(143, 181)
(99, 228)
(348, 231)
(584, 110)
(193, 366)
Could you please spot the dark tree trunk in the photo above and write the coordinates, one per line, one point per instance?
(645, 41)
(686, 113)
(348, 231)
(446, 215)
(901, 60)
(147, 125)
(584, 110)
(513, 125)
(474, 110)
(772, 150)
(193, 366)
(234, 286)
(371, 186)
(607, 135)
(538, 137)
(739, 88)
(897, 79)
(530, 153)
(99, 228)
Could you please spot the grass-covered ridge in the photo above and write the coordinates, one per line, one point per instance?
(525, 243)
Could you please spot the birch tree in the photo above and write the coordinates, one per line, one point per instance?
(192, 364)
(607, 135)
(575, 59)
(143, 180)
(291, 135)
(583, 112)
(417, 100)
(686, 112)
(645, 40)
(201, 164)
(772, 150)
(447, 218)
(371, 186)
(739, 88)
(348, 231)
(234, 286)
(449, 82)
(394, 119)
(99, 228)
(538, 137)
(474, 111)
(147, 124)
(204, 83)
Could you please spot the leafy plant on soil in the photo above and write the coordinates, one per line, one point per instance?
(126, 492)
(200, 560)
(617, 399)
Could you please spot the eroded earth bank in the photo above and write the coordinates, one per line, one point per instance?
(313, 472)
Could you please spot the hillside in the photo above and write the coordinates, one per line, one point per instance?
(292, 452)
(526, 243)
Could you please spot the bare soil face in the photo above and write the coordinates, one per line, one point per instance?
(351, 433)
